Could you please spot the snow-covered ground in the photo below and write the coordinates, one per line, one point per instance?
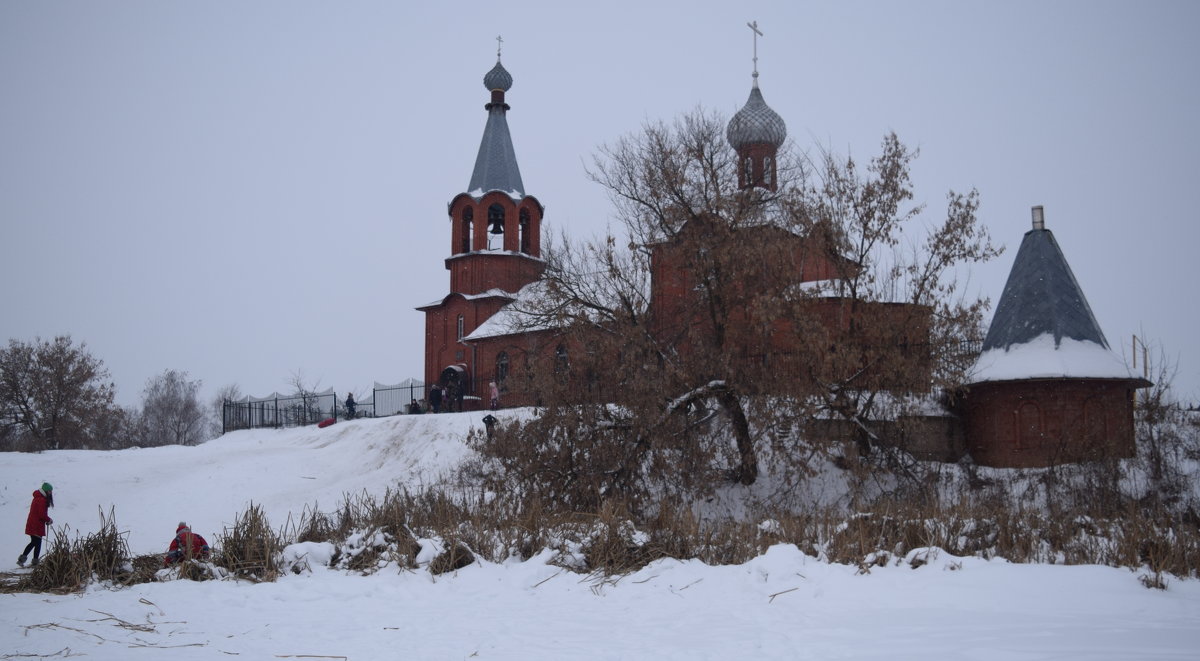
(783, 605)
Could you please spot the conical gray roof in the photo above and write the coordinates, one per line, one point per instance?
(1041, 296)
(756, 123)
(496, 164)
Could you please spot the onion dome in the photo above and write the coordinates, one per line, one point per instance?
(756, 123)
(498, 78)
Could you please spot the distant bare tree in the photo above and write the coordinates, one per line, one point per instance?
(55, 395)
(890, 254)
(1168, 437)
(308, 409)
(171, 410)
(228, 393)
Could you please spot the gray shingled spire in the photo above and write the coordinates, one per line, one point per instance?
(496, 165)
(1041, 296)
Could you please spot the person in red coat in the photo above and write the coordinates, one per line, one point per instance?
(186, 546)
(35, 525)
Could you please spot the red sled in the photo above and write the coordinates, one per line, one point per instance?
(325, 423)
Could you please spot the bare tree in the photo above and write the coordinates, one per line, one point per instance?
(766, 307)
(307, 407)
(891, 256)
(228, 393)
(171, 410)
(56, 395)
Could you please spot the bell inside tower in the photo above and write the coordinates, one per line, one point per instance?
(495, 222)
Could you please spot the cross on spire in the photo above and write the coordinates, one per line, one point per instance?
(499, 42)
(753, 25)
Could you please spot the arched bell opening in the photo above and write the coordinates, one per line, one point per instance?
(495, 223)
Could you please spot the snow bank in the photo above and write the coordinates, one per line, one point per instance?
(152, 489)
(781, 605)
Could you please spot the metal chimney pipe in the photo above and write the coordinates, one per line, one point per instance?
(1039, 218)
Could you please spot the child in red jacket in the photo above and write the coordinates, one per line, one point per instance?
(187, 545)
(35, 525)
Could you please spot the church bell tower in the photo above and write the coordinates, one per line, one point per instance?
(495, 246)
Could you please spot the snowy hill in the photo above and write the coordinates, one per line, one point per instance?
(152, 489)
(783, 605)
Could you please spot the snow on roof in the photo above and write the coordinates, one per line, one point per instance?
(1041, 358)
(491, 293)
(495, 251)
(829, 286)
(520, 316)
(515, 194)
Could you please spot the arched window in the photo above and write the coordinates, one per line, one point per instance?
(1095, 423)
(502, 370)
(768, 171)
(1029, 425)
(468, 216)
(461, 326)
(562, 361)
(749, 171)
(524, 228)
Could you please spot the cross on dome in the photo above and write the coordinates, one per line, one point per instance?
(753, 25)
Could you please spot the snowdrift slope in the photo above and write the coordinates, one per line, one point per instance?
(152, 489)
(783, 605)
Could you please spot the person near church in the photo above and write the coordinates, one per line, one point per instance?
(35, 524)
(187, 545)
(435, 398)
(494, 395)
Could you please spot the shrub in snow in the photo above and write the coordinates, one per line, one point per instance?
(920, 557)
(770, 527)
(191, 570)
(69, 564)
(303, 557)
(251, 549)
(455, 556)
(364, 551)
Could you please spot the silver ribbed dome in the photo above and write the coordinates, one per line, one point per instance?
(756, 123)
(498, 78)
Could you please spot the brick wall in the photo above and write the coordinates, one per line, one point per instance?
(1039, 423)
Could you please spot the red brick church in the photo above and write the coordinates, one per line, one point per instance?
(1033, 401)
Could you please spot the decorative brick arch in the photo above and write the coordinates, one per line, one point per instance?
(1095, 421)
(1029, 425)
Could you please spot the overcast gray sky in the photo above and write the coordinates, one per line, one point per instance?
(251, 190)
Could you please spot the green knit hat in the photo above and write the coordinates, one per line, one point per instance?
(46, 487)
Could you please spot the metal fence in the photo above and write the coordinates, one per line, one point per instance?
(275, 410)
(278, 410)
(390, 400)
